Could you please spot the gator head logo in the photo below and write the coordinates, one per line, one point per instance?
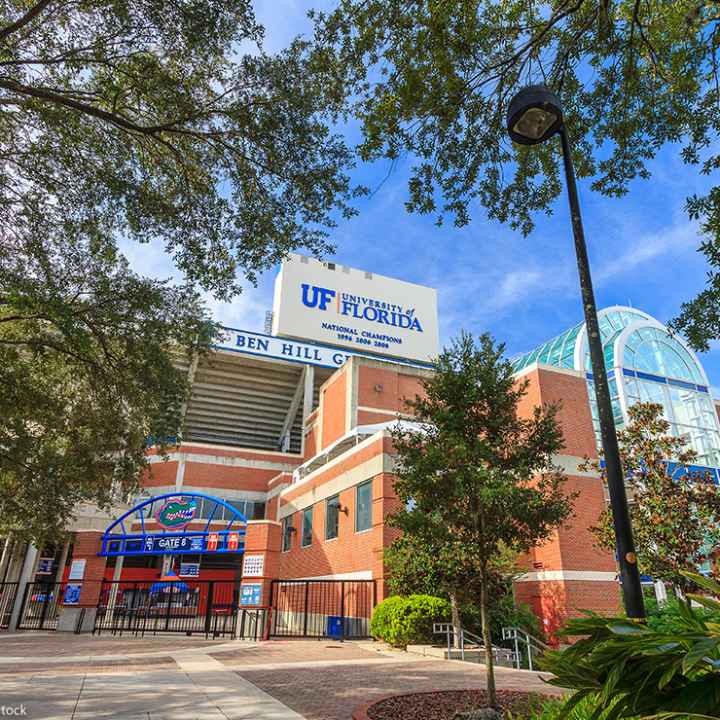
(176, 513)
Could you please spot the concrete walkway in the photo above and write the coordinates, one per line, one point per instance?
(200, 688)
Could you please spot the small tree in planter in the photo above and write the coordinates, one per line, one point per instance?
(675, 516)
(477, 476)
(434, 563)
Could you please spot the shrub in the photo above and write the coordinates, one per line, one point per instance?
(555, 709)
(667, 618)
(402, 621)
(638, 671)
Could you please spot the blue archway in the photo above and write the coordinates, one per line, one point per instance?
(169, 534)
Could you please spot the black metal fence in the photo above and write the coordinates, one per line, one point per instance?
(8, 593)
(253, 624)
(322, 608)
(196, 606)
(41, 605)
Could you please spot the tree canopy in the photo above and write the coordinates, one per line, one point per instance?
(478, 475)
(153, 122)
(167, 123)
(675, 516)
(91, 370)
(434, 79)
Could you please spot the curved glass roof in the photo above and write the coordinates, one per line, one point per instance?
(653, 366)
(560, 351)
(651, 350)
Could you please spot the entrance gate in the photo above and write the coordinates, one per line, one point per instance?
(196, 606)
(40, 604)
(322, 608)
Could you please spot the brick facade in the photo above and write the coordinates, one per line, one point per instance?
(564, 575)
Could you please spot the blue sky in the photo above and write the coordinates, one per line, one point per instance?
(643, 248)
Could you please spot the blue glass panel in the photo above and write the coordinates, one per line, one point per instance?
(682, 384)
(649, 376)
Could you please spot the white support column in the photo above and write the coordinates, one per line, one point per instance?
(292, 411)
(112, 598)
(26, 575)
(308, 396)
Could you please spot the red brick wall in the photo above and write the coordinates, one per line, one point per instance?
(548, 386)
(86, 547)
(311, 437)
(572, 546)
(386, 389)
(160, 474)
(349, 552)
(228, 477)
(263, 538)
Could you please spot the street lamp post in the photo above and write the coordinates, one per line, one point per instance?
(535, 115)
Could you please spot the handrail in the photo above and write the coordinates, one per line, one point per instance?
(517, 634)
(448, 630)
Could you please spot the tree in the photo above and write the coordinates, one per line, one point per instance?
(434, 79)
(167, 123)
(482, 473)
(136, 121)
(427, 560)
(91, 371)
(675, 516)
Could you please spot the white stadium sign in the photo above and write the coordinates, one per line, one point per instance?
(354, 309)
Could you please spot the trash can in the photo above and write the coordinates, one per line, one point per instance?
(335, 627)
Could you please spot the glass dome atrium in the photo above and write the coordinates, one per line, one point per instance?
(645, 362)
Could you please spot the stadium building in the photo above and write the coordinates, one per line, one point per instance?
(269, 518)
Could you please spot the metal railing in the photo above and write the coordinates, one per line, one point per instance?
(523, 653)
(501, 655)
(253, 624)
(41, 605)
(527, 647)
(8, 593)
(322, 608)
(208, 607)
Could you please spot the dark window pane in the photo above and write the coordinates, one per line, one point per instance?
(363, 506)
(331, 517)
(287, 525)
(307, 527)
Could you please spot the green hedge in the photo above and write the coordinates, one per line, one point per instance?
(408, 620)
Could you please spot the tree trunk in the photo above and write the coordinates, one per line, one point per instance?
(457, 625)
(487, 639)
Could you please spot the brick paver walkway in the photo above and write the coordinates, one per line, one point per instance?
(335, 692)
(298, 652)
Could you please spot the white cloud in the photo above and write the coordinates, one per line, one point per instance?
(680, 236)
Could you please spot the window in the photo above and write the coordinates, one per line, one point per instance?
(287, 531)
(332, 516)
(363, 506)
(307, 518)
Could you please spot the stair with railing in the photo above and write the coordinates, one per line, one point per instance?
(523, 651)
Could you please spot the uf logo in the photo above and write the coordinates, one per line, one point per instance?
(319, 297)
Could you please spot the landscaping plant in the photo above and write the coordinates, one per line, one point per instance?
(401, 621)
(675, 515)
(475, 475)
(629, 670)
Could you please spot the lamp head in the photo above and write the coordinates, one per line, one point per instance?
(534, 115)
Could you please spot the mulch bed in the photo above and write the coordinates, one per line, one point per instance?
(440, 705)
